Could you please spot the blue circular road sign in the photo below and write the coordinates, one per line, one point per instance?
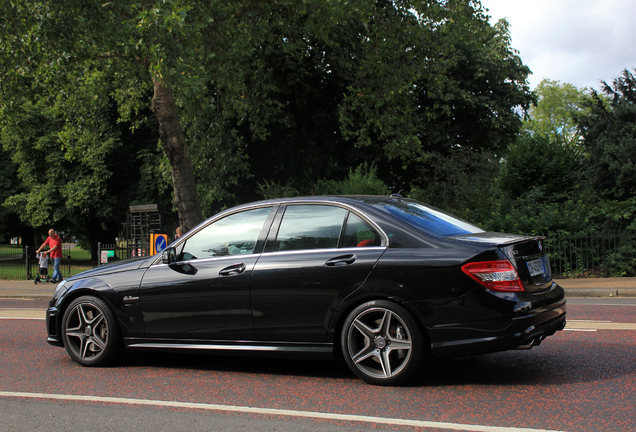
(160, 243)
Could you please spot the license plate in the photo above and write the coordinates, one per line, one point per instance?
(536, 267)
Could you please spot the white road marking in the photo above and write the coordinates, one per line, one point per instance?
(281, 412)
(598, 325)
(23, 314)
(588, 321)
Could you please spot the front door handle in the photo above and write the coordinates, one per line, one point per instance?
(343, 260)
(233, 270)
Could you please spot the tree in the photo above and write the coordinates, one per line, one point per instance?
(554, 113)
(76, 176)
(609, 132)
(404, 79)
(149, 48)
(10, 224)
(305, 89)
(462, 182)
(537, 165)
(433, 76)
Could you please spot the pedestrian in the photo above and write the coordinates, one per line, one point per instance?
(177, 233)
(54, 242)
(43, 259)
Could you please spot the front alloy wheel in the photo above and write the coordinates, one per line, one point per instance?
(382, 343)
(90, 331)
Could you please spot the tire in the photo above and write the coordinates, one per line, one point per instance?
(90, 332)
(382, 343)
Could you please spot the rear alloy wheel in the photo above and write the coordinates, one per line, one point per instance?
(91, 333)
(382, 344)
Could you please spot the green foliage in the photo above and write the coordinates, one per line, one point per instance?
(462, 182)
(612, 215)
(537, 164)
(271, 190)
(532, 215)
(610, 137)
(78, 166)
(361, 181)
(434, 75)
(553, 116)
(275, 98)
(622, 262)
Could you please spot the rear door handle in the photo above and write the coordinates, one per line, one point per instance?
(233, 270)
(341, 261)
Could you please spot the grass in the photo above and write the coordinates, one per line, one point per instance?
(13, 265)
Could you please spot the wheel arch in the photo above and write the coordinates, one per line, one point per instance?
(76, 293)
(343, 313)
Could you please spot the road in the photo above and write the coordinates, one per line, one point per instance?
(582, 379)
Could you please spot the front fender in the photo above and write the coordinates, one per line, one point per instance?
(120, 294)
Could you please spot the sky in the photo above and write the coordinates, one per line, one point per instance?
(580, 42)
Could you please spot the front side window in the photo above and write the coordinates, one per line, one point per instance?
(310, 227)
(235, 234)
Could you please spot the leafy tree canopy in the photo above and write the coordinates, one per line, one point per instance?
(609, 131)
(535, 164)
(554, 112)
(244, 92)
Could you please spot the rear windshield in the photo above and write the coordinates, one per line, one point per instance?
(429, 219)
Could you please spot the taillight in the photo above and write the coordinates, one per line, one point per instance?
(495, 275)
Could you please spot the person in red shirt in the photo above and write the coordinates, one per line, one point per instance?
(54, 242)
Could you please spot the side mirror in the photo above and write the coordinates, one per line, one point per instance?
(169, 256)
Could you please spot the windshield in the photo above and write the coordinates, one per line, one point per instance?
(429, 219)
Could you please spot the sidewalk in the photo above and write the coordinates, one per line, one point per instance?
(594, 287)
(599, 287)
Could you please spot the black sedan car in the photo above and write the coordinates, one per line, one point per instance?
(384, 282)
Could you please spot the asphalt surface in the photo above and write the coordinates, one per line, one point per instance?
(592, 287)
(576, 380)
(579, 380)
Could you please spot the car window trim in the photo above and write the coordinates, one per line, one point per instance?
(262, 236)
(273, 232)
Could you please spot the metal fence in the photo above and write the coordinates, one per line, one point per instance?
(17, 263)
(599, 254)
(109, 253)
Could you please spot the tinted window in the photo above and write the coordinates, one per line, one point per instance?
(310, 227)
(233, 235)
(429, 219)
(358, 233)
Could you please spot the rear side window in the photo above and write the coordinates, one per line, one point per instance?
(310, 227)
(429, 219)
(358, 233)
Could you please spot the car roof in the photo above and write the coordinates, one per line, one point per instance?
(344, 199)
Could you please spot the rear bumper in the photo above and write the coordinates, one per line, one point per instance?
(521, 332)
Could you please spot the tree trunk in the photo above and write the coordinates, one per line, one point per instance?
(186, 198)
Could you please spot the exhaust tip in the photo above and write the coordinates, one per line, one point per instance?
(526, 346)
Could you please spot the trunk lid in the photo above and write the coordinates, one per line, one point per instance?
(527, 254)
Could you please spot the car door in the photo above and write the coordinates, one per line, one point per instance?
(206, 293)
(319, 254)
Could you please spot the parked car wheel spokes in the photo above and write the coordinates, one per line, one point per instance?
(382, 344)
(91, 334)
